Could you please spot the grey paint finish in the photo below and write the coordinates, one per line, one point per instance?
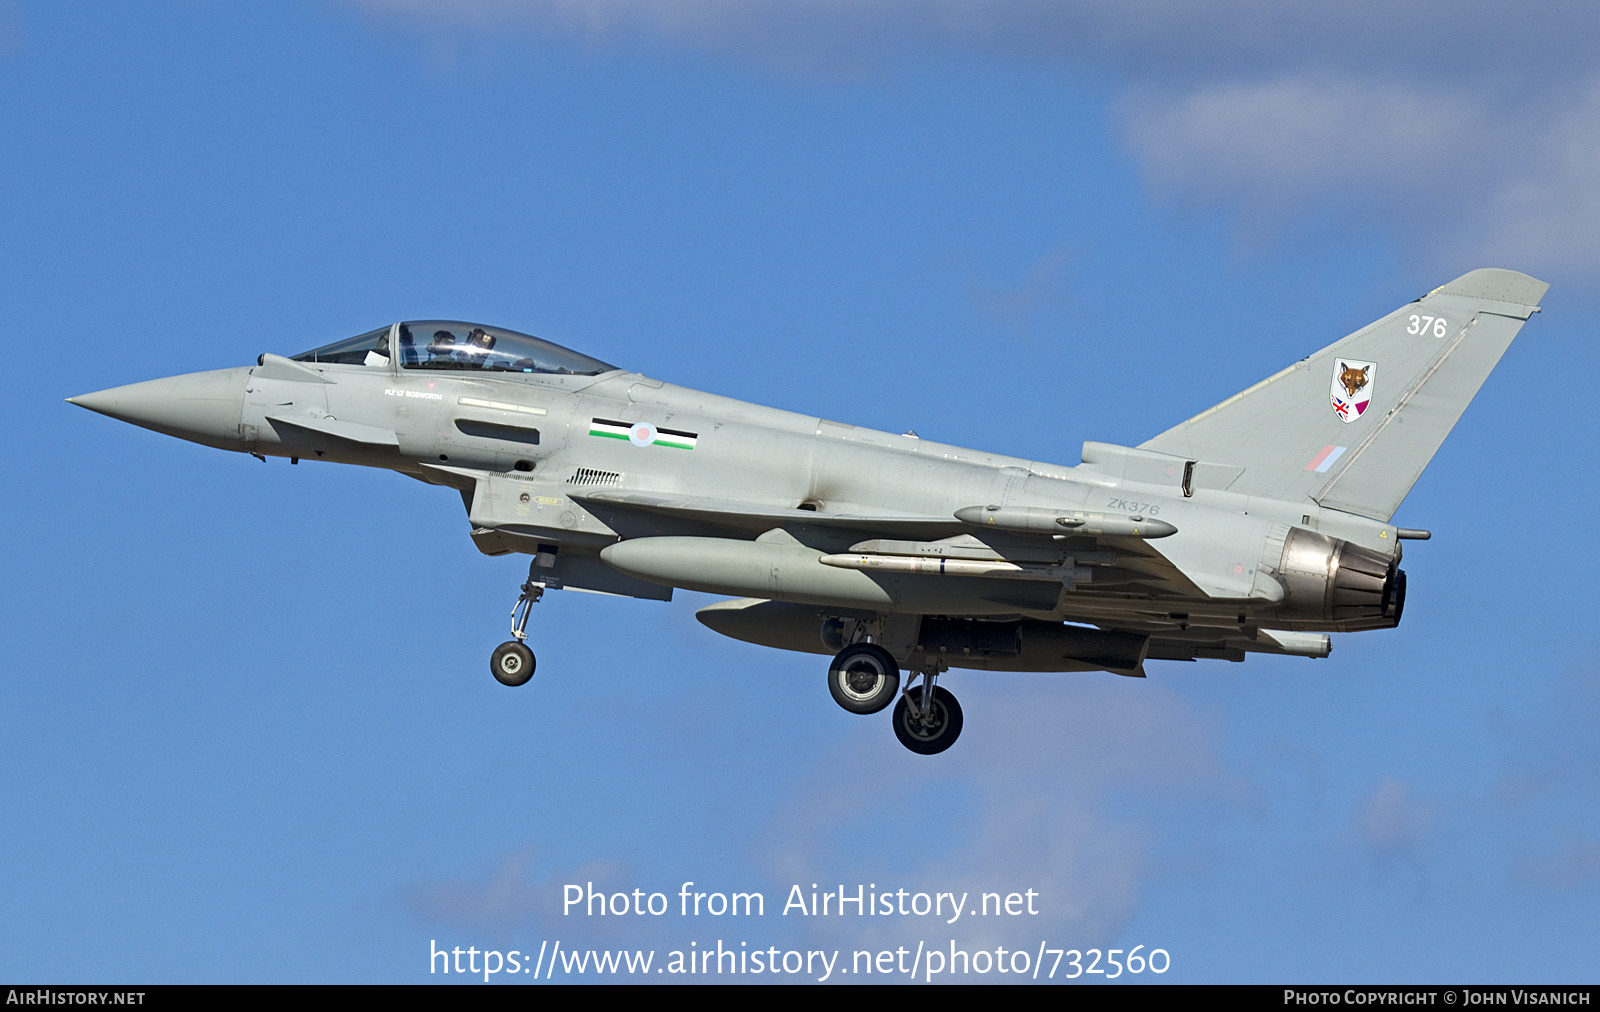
(203, 406)
(1382, 469)
(1255, 527)
(1427, 360)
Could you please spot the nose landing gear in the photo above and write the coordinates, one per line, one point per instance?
(512, 663)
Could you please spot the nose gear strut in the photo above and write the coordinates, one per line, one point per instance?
(531, 593)
(512, 663)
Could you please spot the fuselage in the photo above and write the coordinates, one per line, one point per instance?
(535, 455)
(1256, 526)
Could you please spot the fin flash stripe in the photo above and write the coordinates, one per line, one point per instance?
(1325, 458)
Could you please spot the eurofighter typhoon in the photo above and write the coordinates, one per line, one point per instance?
(1258, 526)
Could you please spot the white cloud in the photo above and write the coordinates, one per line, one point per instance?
(1148, 40)
(1275, 142)
(1393, 825)
(1465, 131)
(1459, 178)
(1048, 800)
(1574, 865)
(1016, 306)
(10, 27)
(508, 899)
(1066, 786)
(1547, 209)
(1547, 796)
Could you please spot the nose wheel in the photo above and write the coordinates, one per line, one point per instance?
(512, 663)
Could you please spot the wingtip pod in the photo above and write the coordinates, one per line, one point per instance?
(1496, 284)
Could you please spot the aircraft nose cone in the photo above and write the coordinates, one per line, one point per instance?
(201, 406)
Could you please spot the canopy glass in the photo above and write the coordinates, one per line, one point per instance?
(454, 345)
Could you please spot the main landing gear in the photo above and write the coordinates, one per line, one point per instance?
(927, 720)
(865, 678)
(512, 663)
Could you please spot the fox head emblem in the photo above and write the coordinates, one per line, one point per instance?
(1353, 379)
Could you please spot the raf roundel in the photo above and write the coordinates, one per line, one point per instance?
(642, 434)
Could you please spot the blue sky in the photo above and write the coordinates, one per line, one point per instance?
(248, 732)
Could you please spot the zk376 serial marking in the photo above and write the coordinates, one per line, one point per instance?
(1134, 506)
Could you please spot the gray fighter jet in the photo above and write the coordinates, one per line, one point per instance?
(1258, 526)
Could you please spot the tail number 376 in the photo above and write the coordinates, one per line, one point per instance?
(1436, 325)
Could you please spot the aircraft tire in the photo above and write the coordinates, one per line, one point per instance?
(863, 678)
(512, 663)
(934, 738)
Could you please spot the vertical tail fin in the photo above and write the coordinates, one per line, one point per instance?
(1352, 426)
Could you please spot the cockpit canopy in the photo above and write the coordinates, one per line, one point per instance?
(451, 344)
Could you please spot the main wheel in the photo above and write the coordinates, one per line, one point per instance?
(512, 663)
(935, 735)
(863, 678)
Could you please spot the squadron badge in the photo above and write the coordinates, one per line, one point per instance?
(1352, 387)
